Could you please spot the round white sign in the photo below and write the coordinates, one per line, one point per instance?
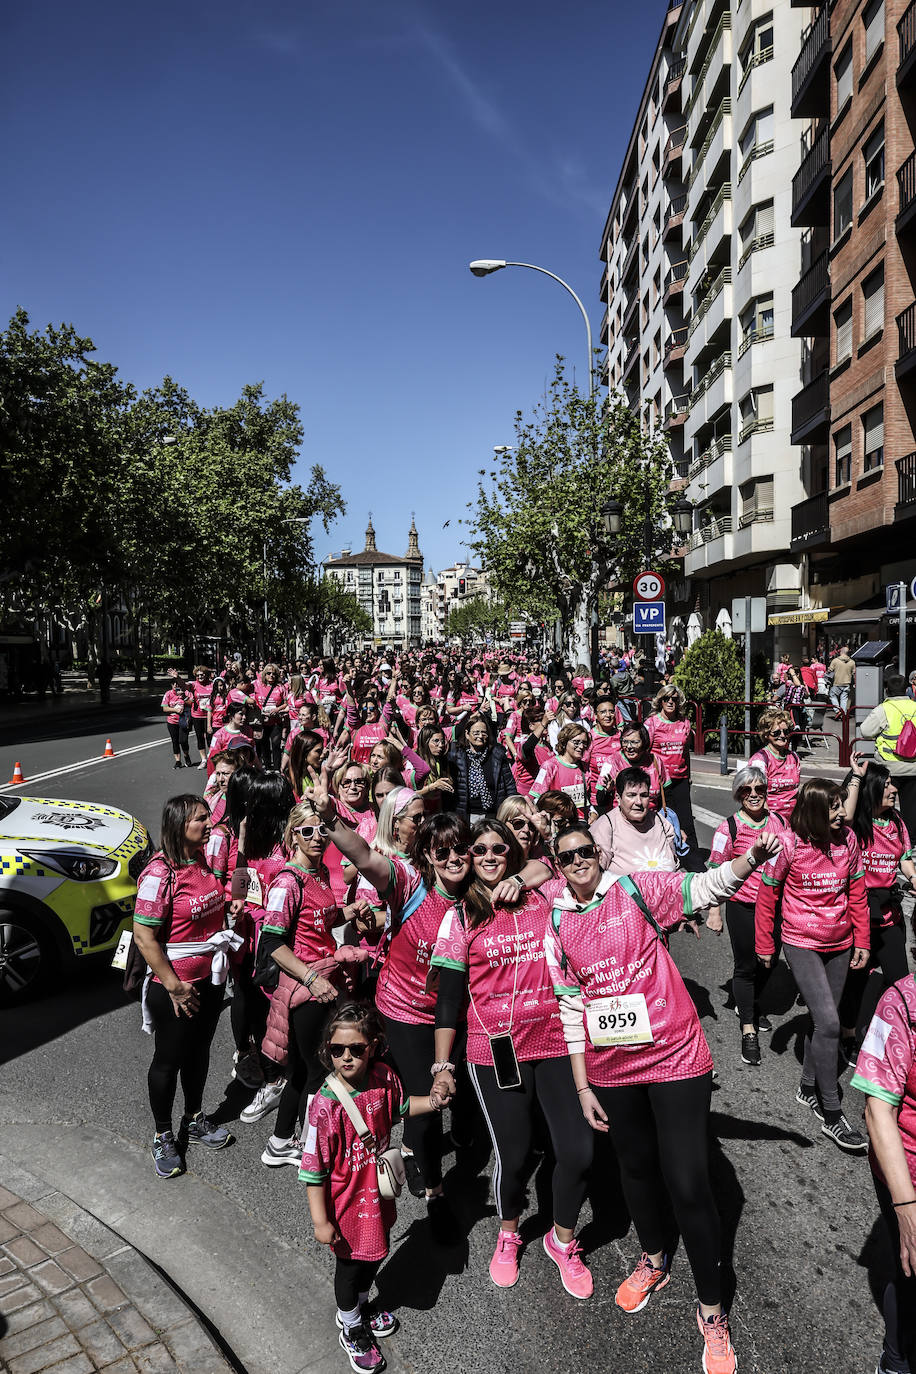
(648, 586)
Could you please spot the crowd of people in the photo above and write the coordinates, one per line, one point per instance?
(438, 881)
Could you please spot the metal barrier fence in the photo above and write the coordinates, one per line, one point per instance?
(844, 740)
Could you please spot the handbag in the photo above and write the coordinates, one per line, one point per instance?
(266, 971)
(389, 1164)
(135, 966)
(905, 746)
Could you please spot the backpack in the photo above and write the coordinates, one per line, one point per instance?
(136, 967)
(635, 895)
(266, 971)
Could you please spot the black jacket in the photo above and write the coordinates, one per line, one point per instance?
(496, 770)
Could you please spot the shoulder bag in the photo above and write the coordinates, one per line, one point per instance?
(392, 1174)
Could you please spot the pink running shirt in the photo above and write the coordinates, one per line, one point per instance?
(312, 916)
(823, 896)
(669, 741)
(746, 836)
(783, 777)
(886, 1067)
(187, 904)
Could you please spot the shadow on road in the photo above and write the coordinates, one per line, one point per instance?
(95, 992)
(120, 718)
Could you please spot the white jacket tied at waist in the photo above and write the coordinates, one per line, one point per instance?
(218, 945)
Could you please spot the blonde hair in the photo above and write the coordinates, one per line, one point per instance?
(774, 716)
(299, 814)
(512, 806)
(343, 770)
(669, 690)
(391, 809)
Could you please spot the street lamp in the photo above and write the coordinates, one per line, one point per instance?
(484, 267)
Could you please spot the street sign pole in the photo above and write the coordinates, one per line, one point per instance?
(747, 676)
(902, 628)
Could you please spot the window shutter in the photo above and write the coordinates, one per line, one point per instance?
(873, 292)
(765, 219)
(873, 18)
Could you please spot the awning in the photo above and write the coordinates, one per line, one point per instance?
(871, 612)
(799, 617)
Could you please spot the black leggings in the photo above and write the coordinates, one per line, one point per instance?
(413, 1051)
(305, 1072)
(269, 746)
(248, 1013)
(182, 1047)
(677, 796)
(886, 965)
(898, 1301)
(660, 1132)
(200, 731)
(510, 1116)
(750, 977)
(352, 1281)
(178, 734)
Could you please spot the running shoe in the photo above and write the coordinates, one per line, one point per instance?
(265, 1101)
(358, 1344)
(504, 1264)
(764, 1022)
(200, 1130)
(380, 1323)
(718, 1352)
(442, 1220)
(290, 1153)
(750, 1049)
(844, 1135)
(849, 1051)
(638, 1287)
(165, 1155)
(807, 1097)
(247, 1070)
(574, 1276)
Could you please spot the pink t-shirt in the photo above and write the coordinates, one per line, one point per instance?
(272, 700)
(618, 761)
(626, 848)
(187, 904)
(364, 739)
(890, 843)
(601, 749)
(261, 873)
(886, 1067)
(201, 692)
(783, 776)
(401, 991)
(607, 948)
(223, 737)
(334, 1155)
(669, 741)
(177, 702)
(570, 779)
(505, 954)
(365, 824)
(823, 895)
(746, 836)
(221, 853)
(311, 912)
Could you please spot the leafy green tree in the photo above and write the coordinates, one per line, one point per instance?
(325, 611)
(476, 618)
(712, 671)
(537, 517)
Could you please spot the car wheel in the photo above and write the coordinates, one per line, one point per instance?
(27, 956)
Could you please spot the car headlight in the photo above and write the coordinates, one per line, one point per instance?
(81, 868)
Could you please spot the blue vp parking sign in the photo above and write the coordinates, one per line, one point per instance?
(648, 617)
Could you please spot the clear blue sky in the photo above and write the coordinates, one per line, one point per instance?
(291, 192)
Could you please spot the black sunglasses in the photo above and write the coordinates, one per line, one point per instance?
(481, 850)
(583, 851)
(442, 851)
(338, 1051)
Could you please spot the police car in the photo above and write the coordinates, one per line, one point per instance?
(68, 879)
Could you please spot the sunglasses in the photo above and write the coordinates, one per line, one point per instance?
(521, 823)
(753, 791)
(353, 782)
(779, 734)
(481, 850)
(582, 851)
(443, 851)
(307, 831)
(338, 1051)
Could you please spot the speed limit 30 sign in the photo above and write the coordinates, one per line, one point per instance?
(649, 586)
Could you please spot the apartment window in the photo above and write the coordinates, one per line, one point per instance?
(757, 320)
(657, 225)
(842, 204)
(842, 72)
(842, 455)
(873, 299)
(757, 500)
(758, 132)
(873, 157)
(756, 409)
(656, 348)
(842, 319)
(760, 46)
(873, 23)
(873, 437)
(758, 225)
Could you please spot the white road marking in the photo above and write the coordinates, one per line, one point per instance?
(84, 763)
(701, 813)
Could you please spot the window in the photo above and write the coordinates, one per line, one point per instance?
(873, 21)
(873, 157)
(842, 319)
(760, 47)
(842, 453)
(873, 435)
(656, 348)
(843, 74)
(756, 500)
(758, 225)
(842, 204)
(873, 298)
(756, 409)
(758, 132)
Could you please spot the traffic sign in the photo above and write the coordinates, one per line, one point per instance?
(649, 586)
(648, 617)
(892, 596)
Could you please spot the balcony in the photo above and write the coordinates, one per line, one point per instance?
(604, 290)
(674, 282)
(758, 333)
(906, 32)
(906, 342)
(811, 300)
(810, 523)
(712, 160)
(757, 59)
(674, 217)
(712, 393)
(629, 314)
(811, 184)
(712, 80)
(605, 326)
(710, 545)
(671, 97)
(674, 149)
(906, 185)
(630, 261)
(811, 73)
(906, 486)
(631, 356)
(676, 411)
(811, 411)
(674, 349)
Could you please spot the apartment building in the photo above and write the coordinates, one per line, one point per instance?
(854, 195)
(455, 585)
(388, 587)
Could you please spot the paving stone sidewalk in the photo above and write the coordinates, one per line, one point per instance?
(74, 1298)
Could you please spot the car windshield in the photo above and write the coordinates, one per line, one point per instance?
(8, 806)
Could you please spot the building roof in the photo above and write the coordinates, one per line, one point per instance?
(368, 559)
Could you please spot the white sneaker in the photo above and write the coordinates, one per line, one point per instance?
(275, 1155)
(265, 1101)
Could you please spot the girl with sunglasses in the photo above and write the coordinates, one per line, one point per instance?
(490, 955)
(640, 1062)
(778, 761)
(670, 734)
(526, 741)
(348, 1214)
(736, 835)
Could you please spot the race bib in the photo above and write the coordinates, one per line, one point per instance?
(254, 896)
(576, 793)
(619, 1021)
(120, 955)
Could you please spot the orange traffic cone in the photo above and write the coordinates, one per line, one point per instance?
(17, 774)
(109, 752)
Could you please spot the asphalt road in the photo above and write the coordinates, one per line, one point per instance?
(801, 1247)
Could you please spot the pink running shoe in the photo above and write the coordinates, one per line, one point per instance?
(638, 1287)
(574, 1276)
(504, 1264)
(718, 1352)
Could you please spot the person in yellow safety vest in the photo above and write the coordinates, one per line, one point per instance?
(884, 725)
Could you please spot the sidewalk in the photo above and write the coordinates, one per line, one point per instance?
(81, 701)
(74, 1298)
(705, 770)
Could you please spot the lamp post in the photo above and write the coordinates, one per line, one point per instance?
(485, 267)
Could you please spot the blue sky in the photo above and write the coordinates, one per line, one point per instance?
(291, 192)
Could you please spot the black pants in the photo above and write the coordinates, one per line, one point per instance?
(886, 965)
(898, 1300)
(305, 1072)
(182, 1049)
(510, 1116)
(178, 734)
(352, 1281)
(749, 977)
(412, 1051)
(269, 746)
(677, 796)
(200, 732)
(660, 1132)
(248, 1013)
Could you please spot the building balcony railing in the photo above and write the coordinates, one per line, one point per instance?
(811, 73)
(810, 522)
(713, 530)
(719, 446)
(811, 300)
(757, 334)
(674, 148)
(721, 280)
(629, 314)
(906, 33)
(631, 356)
(696, 86)
(721, 115)
(674, 349)
(674, 282)
(724, 193)
(676, 410)
(604, 290)
(755, 425)
(906, 482)
(757, 60)
(758, 150)
(755, 514)
(906, 341)
(720, 365)
(811, 410)
(906, 185)
(811, 184)
(671, 97)
(674, 216)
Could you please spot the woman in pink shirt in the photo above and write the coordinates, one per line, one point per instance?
(566, 771)
(526, 742)
(779, 762)
(635, 752)
(177, 704)
(605, 742)
(236, 728)
(201, 690)
(820, 877)
(270, 695)
(670, 734)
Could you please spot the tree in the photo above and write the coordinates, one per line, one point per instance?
(327, 611)
(476, 618)
(538, 515)
(712, 671)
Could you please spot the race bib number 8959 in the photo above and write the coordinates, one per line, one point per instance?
(619, 1021)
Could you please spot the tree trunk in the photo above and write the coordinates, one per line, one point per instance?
(579, 638)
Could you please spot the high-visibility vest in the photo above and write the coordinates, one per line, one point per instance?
(897, 710)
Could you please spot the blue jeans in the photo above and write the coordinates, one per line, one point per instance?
(839, 698)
